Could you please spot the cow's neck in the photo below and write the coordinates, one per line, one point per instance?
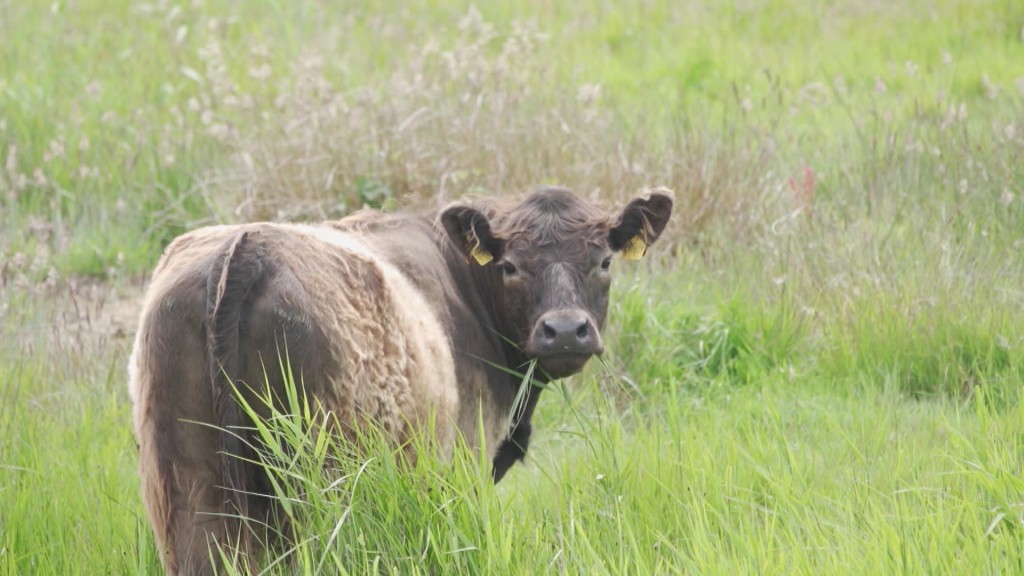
(480, 290)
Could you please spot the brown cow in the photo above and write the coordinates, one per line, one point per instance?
(409, 320)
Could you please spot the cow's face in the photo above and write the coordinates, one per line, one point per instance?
(551, 258)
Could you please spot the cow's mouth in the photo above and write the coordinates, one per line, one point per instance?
(562, 365)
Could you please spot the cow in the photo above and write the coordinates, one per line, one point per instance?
(416, 322)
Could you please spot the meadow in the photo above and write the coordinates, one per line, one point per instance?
(818, 370)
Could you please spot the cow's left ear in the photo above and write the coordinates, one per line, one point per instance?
(640, 224)
(470, 230)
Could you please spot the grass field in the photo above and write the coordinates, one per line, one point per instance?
(818, 371)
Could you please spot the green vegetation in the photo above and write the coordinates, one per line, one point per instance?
(818, 371)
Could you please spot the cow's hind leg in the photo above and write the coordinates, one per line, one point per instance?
(181, 479)
(282, 351)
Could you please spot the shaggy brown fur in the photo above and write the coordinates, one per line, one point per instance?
(383, 318)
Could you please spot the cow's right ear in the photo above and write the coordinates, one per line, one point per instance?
(470, 231)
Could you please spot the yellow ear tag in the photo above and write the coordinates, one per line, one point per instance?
(481, 255)
(635, 248)
(478, 252)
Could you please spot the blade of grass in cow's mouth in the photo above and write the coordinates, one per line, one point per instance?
(563, 365)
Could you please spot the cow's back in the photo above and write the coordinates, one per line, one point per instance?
(380, 349)
(358, 336)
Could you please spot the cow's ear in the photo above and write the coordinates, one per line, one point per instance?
(470, 231)
(640, 224)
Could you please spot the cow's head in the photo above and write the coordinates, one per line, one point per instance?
(551, 259)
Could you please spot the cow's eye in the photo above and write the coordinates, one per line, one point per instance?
(606, 264)
(508, 268)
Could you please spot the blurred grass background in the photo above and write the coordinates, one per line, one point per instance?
(818, 369)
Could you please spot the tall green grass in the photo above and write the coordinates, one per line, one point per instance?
(69, 498)
(359, 503)
(636, 467)
(734, 482)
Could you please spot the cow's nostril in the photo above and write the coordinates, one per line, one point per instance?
(583, 331)
(549, 331)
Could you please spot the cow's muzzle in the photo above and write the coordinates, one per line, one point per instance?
(564, 340)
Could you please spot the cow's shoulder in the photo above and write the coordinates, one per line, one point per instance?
(413, 245)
